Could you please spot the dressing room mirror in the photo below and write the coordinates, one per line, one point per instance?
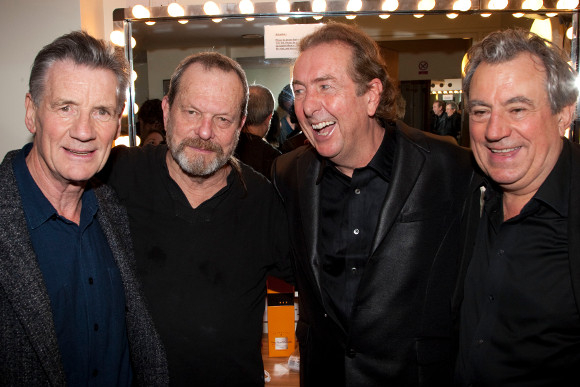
(424, 54)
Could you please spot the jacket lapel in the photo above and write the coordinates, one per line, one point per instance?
(407, 166)
(22, 280)
(574, 222)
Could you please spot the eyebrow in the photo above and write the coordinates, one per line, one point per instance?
(316, 80)
(517, 99)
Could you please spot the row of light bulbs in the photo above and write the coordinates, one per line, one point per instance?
(319, 6)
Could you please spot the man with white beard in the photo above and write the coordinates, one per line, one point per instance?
(207, 229)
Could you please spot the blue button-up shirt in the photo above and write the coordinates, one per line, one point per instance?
(83, 283)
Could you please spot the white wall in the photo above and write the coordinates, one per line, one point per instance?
(26, 26)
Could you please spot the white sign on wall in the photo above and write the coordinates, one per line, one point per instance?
(282, 41)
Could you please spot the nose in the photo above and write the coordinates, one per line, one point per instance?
(205, 128)
(497, 127)
(84, 127)
(309, 104)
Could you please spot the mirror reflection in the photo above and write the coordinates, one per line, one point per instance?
(424, 56)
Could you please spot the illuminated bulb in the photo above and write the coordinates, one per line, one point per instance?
(534, 5)
(567, 4)
(485, 14)
(317, 17)
(246, 6)
(542, 28)
(390, 5)
(284, 17)
(418, 15)
(452, 15)
(124, 140)
(249, 19)
(570, 33)
(282, 6)
(118, 38)
(384, 16)
(133, 75)
(183, 21)
(135, 109)
(211, 8)
(319, 6)
(518, 15)
(216, 20)
(426, 5)
(350, 17)
(462, 5)
(354, 5)
(175, 10)
(140, 12)
(150, 23)
(497, 4)
(551, 14)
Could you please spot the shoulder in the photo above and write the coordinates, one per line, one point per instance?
(288, 161)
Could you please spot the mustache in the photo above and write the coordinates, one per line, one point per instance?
(201, 144)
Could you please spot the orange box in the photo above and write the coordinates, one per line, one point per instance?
(280, 309)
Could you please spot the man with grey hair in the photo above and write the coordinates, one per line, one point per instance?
(252, 148)
(207, 229)
(71, 310)
(520, 316)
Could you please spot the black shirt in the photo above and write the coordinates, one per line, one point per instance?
(520, 325)
(349, 216)
(203, 270)
(256, 152)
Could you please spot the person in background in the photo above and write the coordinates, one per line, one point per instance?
(207, 229)
(376, 241)
(252, 149)
(453, 122)
(439, 117)
(70, 306)
(154, 137)
(286, 104)
(149, 118)
(520, 316)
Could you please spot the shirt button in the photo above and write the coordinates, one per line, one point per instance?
(357, 191)
(350, 353)
(479, 342)
(353, 270)
(96, 327)
(491, 297)
(90, 280)
(356, 231)
(500, 252)
(325, 315)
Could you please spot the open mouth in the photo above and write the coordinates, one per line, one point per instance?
(78, 152)
(324, 128)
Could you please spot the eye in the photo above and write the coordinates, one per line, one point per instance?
(66, 111)
(298, 92)
(102, 114)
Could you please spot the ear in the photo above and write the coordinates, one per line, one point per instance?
(166, 110)
(565, 118)
(119, 122)
(373, 94)
(30, 116)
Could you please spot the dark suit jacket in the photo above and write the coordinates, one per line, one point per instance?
(401, 325)
(29, 352)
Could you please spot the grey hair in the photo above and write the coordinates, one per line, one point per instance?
(82, 49)
(452, 104)
(503, 46)
(209, 60)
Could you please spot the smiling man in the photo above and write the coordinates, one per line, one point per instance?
(207, 229)
(71, 311)
(374, 208)
(520, 317)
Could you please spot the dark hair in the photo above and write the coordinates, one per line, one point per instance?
(151, 111)
(209, 60)
(503, 46)
(440, 103)
(82, 49)
(367, 62)
(286, 98)
(260, 105)
(452, 104)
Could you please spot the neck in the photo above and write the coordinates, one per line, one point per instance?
(64, 196)
(197, 189)
(365, 150)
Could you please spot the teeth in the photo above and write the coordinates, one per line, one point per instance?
(78, 153)
(504, 150)
(321, 125)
